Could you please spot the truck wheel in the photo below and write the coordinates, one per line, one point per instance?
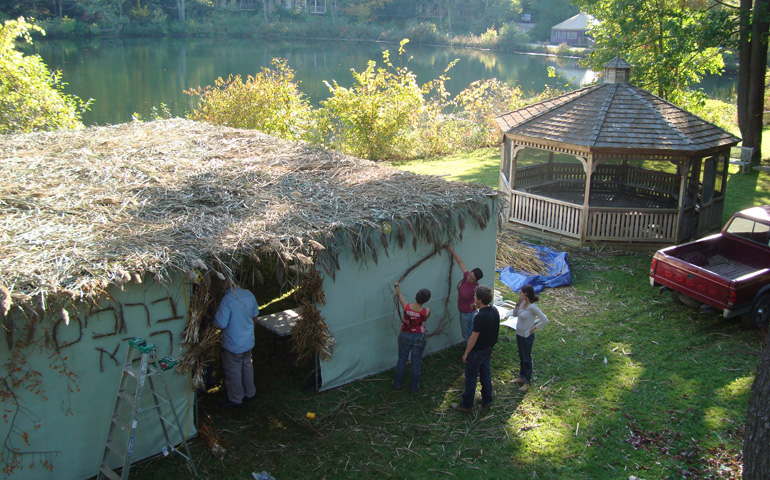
(760, 314)
(685, 300)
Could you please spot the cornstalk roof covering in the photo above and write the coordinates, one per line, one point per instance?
(84, 209)
(614, 116)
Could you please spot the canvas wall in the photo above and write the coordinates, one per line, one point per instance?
(363, 317)
(62, 422)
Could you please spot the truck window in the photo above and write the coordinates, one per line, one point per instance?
(749, 229)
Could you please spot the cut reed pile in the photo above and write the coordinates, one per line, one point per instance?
(84, 209)
(513, 252)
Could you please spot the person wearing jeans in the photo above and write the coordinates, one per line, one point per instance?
(478, 352)
(465, 290)
(530, 318)
(411, 339)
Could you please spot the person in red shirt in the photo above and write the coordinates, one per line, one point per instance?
(465, 288)
(412, 336)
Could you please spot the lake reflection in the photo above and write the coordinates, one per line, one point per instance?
(125, 76)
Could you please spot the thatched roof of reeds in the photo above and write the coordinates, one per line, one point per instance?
(84, 209)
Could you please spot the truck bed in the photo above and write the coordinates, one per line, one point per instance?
(727, 268)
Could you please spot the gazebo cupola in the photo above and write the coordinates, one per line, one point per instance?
(611, 162)
(617, 70)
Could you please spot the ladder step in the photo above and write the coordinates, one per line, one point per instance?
(120, 422)
(137, 372)
(107, 472)
(126, 396)
(117, 450)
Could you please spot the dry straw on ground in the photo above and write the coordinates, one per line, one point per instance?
(105, 205)
(512, 252)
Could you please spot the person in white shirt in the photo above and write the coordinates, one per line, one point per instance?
(530, 318)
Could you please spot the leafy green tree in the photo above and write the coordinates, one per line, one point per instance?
(670, 43)
(269, 102)
(378, 116)
(32, 97)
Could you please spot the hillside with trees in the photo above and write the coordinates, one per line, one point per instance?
(434, 20)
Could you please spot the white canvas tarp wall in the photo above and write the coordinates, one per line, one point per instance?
(58, 418)
(362, 315)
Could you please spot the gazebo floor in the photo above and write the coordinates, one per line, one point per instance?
(607, 199)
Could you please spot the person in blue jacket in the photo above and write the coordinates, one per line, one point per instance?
(236, 315)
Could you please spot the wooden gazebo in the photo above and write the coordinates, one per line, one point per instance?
(613, 163)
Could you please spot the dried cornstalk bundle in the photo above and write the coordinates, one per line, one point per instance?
(311, 334)
(199, 305)
(212, 438)
(200, 355)
(85, 209)
(512, 252)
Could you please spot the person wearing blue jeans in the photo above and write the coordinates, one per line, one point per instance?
(530, 318)
(411, 339)
(478, 352)
(465, 290)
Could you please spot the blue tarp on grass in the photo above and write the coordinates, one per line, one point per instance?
(558, 273)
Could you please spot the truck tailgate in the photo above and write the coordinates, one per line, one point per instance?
(698, 283)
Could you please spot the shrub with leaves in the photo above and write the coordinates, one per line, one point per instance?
(377, 117)
(482, 101)
(31, 96)
(269, 102)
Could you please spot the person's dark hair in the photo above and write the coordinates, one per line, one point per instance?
(477, 273)
(484, 294)
(529, 291)
(423, 295)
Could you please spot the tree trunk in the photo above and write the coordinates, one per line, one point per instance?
(752, 59)
(264, 11)
(180, 9)
(756, 443)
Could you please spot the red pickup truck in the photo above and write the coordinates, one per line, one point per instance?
(727, 271)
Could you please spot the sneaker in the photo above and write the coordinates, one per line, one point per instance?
(226, 403)
(250, 399)
(524, 387)
(517, 380)
(394, 386)
(458, 407)
(484, 406)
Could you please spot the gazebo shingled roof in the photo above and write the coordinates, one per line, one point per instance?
(614, 116)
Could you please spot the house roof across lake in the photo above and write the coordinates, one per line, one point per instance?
(96, 206)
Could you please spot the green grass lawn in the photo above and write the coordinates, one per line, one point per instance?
(626, 383)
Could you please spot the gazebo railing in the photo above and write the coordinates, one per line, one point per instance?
(547, 214)
(614, 224)
(603, 224)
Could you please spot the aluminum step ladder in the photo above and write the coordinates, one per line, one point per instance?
(135, 380)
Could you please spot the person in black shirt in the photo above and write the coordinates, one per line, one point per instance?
(478, 352)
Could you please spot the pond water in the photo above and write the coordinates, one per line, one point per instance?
(127, 76)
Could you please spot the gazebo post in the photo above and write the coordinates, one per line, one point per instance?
(682, 168)
(588, 167)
